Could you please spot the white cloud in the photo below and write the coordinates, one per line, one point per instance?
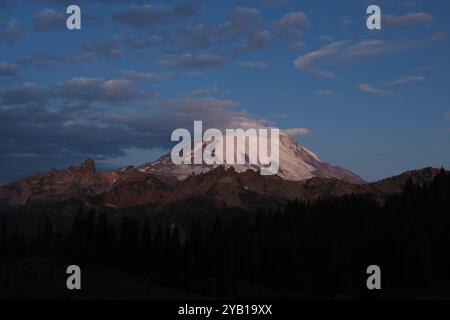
(373, 47)
(370, 89)
(407, 79)
(142, 76)
(207, 91)
(48, 19)
(290, 26)
(308, 61)
(344, 50)
(294, 132)
(409, 19)
(194, 61)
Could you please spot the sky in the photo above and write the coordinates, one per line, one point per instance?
(375, 102)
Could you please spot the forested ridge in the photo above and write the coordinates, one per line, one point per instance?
(308, 249)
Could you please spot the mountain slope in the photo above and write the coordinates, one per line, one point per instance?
(56, 185)
(297, 163)
(220, 187)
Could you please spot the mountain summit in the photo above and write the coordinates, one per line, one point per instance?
(161, 183)
(297, 163)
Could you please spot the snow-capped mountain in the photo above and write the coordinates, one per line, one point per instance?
(161, 183)
(296, 163)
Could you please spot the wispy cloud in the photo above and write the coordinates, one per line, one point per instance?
(152, 15)
(309, 61)
(372, 47)
(407, 79)
(370, 89)
(291, 26)
(345, 50)
(98, 89)
(107, 48)
(208, 91)
(142, 76)
(194, 61)
(408, 19)
(295, 132)
(48, 19)
(78, 89)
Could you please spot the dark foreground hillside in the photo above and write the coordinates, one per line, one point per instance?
(307, 250)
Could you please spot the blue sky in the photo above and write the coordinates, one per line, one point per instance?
(374, 102)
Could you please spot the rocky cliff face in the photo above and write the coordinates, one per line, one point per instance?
(220, 187)
(55, 185)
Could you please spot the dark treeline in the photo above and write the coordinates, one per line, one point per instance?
(319, 249)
